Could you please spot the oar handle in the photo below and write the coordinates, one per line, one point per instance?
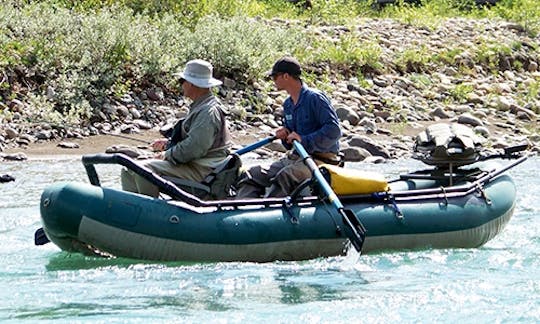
(255, 146)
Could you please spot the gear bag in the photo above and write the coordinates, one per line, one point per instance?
(352, 181)
(445, 145)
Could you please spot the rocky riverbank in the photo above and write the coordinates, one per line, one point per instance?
(380, 111)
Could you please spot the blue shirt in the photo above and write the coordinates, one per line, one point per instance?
(314, 119)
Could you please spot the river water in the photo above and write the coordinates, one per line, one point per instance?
(497, 283)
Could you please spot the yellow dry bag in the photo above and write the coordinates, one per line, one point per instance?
(353, 182)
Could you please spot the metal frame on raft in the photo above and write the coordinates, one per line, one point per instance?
(174, 192)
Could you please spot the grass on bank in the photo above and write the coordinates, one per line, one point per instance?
(67, 57)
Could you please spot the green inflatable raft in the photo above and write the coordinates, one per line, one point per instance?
(434, 208)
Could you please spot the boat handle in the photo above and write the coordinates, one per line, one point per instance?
(483, 194)
(443, 189)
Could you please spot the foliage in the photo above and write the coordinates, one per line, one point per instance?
(69, 56)
(490, 53)
(531, 93)
(421, 80)
(524, 12)
(448, 56)
(461, 91)
(348, 52)
(239, 46)
(81, 59)
(413, 59)
(336, 11)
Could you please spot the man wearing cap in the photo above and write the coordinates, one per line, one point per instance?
(310, 119)
(199, 142)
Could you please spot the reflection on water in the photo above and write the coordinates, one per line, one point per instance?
(282, 283)
(75, 261)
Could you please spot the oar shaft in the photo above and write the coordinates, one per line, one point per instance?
(318, 175)
(128, 137)
(255, 146)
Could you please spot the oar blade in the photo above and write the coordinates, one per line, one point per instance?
(40, 238)
(354, 230)
(510, 151)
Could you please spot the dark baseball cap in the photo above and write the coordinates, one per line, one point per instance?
(286, 64)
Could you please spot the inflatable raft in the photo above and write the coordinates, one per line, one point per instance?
(432, 208)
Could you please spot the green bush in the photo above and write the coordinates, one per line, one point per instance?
(240, 47)
(82, 58)
(461, 92)
(348, 52)
(524, 12)
(413, 59)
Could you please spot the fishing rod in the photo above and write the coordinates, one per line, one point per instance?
(102, 131)
(127, 137)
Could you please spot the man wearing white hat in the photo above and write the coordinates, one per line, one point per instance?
(198, 144)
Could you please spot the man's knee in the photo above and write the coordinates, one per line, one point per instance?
(132, 182)
(282, 184)
(248, 187)
(287, 179)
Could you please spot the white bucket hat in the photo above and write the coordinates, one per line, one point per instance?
(199, 73)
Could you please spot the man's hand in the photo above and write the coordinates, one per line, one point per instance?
(293, 136)
(282, 133)
(159, 145)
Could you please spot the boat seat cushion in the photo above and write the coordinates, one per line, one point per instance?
(352, 181)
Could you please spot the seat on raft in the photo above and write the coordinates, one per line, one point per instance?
(216, 185)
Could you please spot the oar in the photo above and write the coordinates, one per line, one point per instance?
(40, 238)
(510, 152)
(354, 229)
(255, 146)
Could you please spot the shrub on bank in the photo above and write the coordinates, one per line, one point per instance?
(426, 12)
(76, 60)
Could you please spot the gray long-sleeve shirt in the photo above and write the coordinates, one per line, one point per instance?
(204, 133)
